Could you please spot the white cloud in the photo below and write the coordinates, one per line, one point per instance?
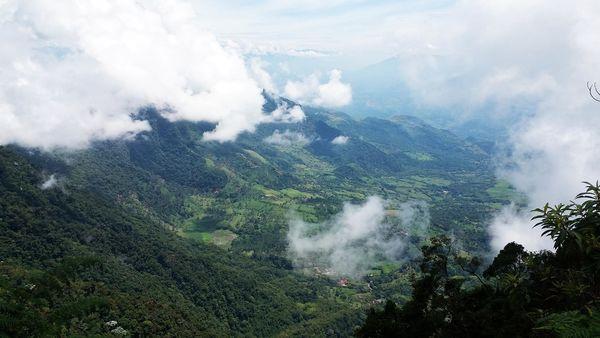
(341, 139)
(286, 114)
(525, 59)
(296, 114)
(75, 71)
(551, 154)
(257, 68)
(331, 94)
(354, 240)
(309, 53)
(514, 225)
(312, 29)
(50, 183)
(286, 138)
(458, 55)
(264, 49)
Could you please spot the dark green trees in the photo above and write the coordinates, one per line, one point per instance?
(520, 294)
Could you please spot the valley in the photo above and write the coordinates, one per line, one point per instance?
(260, 168)
(205, 224)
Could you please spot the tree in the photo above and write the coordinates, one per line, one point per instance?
(521, 294)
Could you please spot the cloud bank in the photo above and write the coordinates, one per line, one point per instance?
(356, 239)
(75, 71)
(257, 68)
(285, 114)
(49, 183)
(341, 139)
(286, 138)
(512, 224)
(331, 94)
(529, 60)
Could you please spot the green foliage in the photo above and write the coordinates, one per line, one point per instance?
(74, 260)
(128, 234)
(520, 294)
(575, 228)
(571, 324)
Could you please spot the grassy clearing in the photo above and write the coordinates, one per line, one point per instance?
(440, 182)
(419, 156)
(205, 237)
(256, 156)
(220, 238)
(502, 190)
(223, 238)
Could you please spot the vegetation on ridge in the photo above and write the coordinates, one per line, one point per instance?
(520, 294)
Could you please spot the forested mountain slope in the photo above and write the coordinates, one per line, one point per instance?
(168, 234)
(248, 186)
(520, 294)
(73, 260)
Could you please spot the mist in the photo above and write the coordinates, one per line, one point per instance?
(286, 138)
(457, 59)
(355, 240)
(77, 71)
(49, 183)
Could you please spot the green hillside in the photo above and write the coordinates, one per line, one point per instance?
(169, 235)
(520, 294)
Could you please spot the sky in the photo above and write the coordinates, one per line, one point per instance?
(526, 60)
(76, 71)
(357, 33)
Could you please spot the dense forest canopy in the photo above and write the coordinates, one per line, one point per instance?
(120, 239)
(166, 234)
(519, 294)
(306, 168)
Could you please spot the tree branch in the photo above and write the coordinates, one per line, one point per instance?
(595, 88)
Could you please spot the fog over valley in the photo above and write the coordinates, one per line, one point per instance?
(299, 168)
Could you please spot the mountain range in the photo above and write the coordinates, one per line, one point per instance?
(167, 234)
